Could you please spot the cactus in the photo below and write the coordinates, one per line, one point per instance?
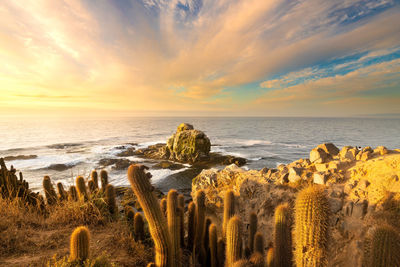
(213, 244)
(94, 177)
(110, 199)
(206, 233)
(91, 186)
(79, 246)
(257, 259)
(130, 215)
(49, 192)
(73, 194)
(181, 202)
(221, 252)
(62, 195)
(242, 263)
(270, 257)
(80, 185)
(142, 188)
(282, 237)
(104, 179)
(233, 241)
(259, 243)
(191, 225)
(311, 227)
(229, 209)
(252, 230)
(200, 225)
(151, 264)
(173, 211)
(163, 205)
(382, 247)
(139, 227)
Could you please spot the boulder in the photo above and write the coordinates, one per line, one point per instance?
(321, 167)
(381, 150)
(329, 148)
(348, 152)
(320, 178)
(367, 149)
(318, 155)
(365, 155)
(188, 145)
(295, 174)
(360, 209)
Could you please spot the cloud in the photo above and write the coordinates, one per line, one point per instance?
(129, 55)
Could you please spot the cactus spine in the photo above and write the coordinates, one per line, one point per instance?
(79, 246)
(282, 237)
(200, 225)
(173, 227)
(139, 227)
(191, 225)
(110, 199)
(229, 209)
(49, 192)
(311, 227)
(233, 241)
(94, 177)
(382, 247)
(104, 179)
(259, 243)
(212, 231)
(257, 259)
(252, 230)
(142, 188)
(73, 194)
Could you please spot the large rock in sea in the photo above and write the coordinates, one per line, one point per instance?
(188, 144)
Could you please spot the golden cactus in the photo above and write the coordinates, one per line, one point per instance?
(213, 244)
(233, 241)
(191, 225)
(49, 192)
(200, 225)
(110, 199)
(81, 186)
(282, 237)
(311, 227)
(79, 244)
(95, 178)
(252, 230)
(229, 209)
(257, 259)
(142, 188)
(270, 257)
(103, 179)
(139, 227)
(173, 211)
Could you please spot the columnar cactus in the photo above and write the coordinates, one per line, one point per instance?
(259, 243)
(142, 188)
(91, 186)
(282, 236)
(221, 252)
(62, 195)
(270, 257)
(213, 244)
(252, 230)
(257, 259)
(200, 224)
(382, 247)
(229, 209)
(163, 204)
(311, 227)
(73, 194)
(233, 241)
(104, 179)
(139, 227)
(242, 263)
(79, 244)
(110, 199)
(49, 192)
(94, 177)
(173, 211)
(206, 233)
(130, 215)
(191, 225)
(81, 186)
(181, 201)
(151, 264)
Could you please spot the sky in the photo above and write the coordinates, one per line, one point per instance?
(200, 57)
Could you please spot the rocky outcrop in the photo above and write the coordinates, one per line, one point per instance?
(20, 157)
(188, 145)
(362, 192)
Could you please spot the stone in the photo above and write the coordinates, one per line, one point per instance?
(127, 153)
(336, 165)
(335, 204)
(360, 209)
(168, 165)
(363, 184)
(318, 155)
(348, 152)
(329, 148)
(284, 178)
(367, 149)
(320, 178)
(295, 174)
(60, 167)
(20, 157)
(188, 145)
(381, 150)
(366, 155)
(321, 167)
(348, 208)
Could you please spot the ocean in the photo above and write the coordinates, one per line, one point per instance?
(264, 141)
